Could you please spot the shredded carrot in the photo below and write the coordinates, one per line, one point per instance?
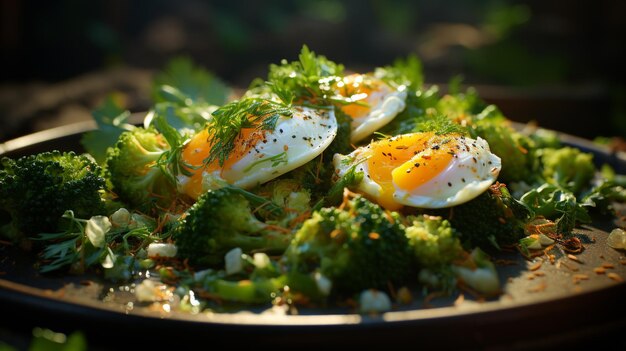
(389, 217)
(299, 219)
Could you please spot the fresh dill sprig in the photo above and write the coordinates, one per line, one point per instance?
(440, 125)
(87, 242)
(230, 119)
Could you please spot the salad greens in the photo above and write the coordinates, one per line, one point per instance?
(305, 237)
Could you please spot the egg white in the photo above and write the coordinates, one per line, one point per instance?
(385, 104)
(295, 141)
(469, 174)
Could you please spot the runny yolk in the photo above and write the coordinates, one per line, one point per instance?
(359, 89)
(198, 149)
(409, 161)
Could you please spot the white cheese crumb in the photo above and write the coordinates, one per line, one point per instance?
(120, 218)
(261, 260)
(374, 301)
(162, 250)
(233, 261)
(324, 285)
(617, 239)
(146, 291)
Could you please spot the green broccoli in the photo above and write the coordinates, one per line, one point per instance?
(511, 146)
(492, 219)
(567, 167)
(435, 245)
(36, 190)
(356, 246)
(287, 193)
(133, 170)
(222, 220)
(434, 242)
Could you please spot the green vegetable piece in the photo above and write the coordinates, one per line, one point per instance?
(36, 190)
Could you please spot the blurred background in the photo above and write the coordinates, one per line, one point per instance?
(557, 62)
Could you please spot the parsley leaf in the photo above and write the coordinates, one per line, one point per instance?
(183, 84)
(406, 72)
(111, 119)
(171, 162)
(554, 202)
(307, 81)
(186, 95)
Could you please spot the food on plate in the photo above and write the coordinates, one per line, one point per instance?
(423, 170)
(370, 102)
(314, 187)
(36, 190)
(283, 143)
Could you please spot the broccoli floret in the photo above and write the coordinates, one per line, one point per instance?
(568, 167)
(36, 190)
(222, 220)
(357, 246)
(287, 193)
(492, 219)
(511, 146)
(133, 171)
(461, 106)
(433, 241)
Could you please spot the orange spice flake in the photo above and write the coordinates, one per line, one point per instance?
(608, 265)
(616, 277)
(535, 266)
(538, 288)
(573, 258)
(577, 278)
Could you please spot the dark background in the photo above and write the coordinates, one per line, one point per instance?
(557, 62)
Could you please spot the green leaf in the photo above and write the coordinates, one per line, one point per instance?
(556, 203)
(48, 340)
(183, 84)
(171, 162)
(111, 120)
(349, 180)
(407, 72)
(307, 81)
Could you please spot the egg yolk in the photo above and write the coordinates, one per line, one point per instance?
(409, 161)
(359, 89)
(198, 149)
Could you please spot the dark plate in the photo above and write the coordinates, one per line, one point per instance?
(542, 305)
